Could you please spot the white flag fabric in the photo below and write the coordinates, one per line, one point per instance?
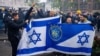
(75, 39)
(33, 39)
(46, 35)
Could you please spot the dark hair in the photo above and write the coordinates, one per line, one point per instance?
(68, 17)
(96, 14)
(14, 14)
(84, 15)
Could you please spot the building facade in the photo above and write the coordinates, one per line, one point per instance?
(73, 5)
(13, 3)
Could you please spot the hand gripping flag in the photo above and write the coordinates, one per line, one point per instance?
(33, 39)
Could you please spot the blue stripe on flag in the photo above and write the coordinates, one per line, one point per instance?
(30, 50)
(44, 23)
(69, 49)
(65, 49)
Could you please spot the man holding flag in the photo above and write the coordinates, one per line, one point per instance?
(45, 35)
(14, 27)
(33, 39)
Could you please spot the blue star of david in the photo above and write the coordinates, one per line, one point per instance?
(83, 36)
(37, 39)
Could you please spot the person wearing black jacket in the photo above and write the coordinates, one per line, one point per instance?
(14, 27)
(8, 15)
(98, 23)
(14, 33)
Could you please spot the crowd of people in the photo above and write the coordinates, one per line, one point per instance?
(14, 20)
(69, 18)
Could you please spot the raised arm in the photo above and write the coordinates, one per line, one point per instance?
(29, 11)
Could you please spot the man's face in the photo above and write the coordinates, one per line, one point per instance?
(82, 18)
(16, 17)
(52, 13)
(69, 20)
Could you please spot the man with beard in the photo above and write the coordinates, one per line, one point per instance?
(83, 19)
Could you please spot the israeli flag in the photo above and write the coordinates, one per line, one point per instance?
(75, 39)
(33, 39)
